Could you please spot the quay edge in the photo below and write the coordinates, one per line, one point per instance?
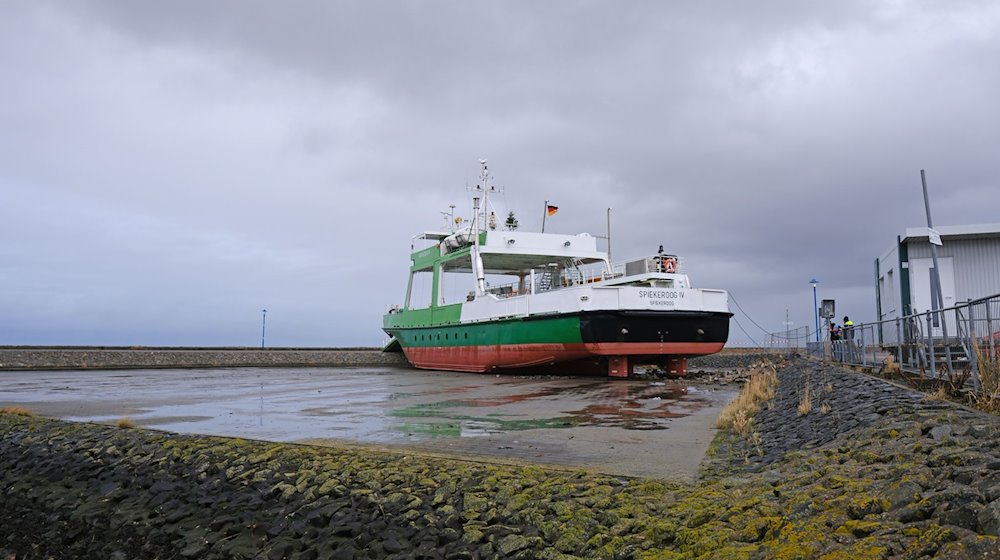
(83, 357)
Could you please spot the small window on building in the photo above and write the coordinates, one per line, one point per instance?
(892, 290)
(885, 297)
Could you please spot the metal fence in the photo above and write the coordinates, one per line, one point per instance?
(790, 340)
(945, 344)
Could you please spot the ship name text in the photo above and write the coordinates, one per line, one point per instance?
(661, 294)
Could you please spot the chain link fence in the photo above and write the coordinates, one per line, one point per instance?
(791, 340)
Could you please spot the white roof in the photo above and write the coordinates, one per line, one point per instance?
(973, 231)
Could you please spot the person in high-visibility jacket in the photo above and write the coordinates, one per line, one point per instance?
(848, 328)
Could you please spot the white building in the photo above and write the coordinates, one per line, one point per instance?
(969, 258)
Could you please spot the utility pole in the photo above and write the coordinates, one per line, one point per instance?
(937, 299)
(788, 331)
(814, 282)
(263, 326)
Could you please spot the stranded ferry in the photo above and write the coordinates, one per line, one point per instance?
(548, 302)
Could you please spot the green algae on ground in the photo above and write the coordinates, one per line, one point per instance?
(453, 425)
(432, 429)
(425, 409)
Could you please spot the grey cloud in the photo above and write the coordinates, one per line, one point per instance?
(234, 156)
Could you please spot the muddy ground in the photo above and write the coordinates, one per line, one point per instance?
(637, 427)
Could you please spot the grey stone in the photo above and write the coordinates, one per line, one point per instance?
(903, 495)
(971, 547)
(919, 511)
(962, 515)
(989, 518)
(941, 432)
(513, 543)
(980, 431)
(992, 492)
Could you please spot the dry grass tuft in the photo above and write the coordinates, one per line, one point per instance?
(759, 388)
(16, 411)
(125, 422)
(939, 394)
(741, 422)
(756, 440)
(824, 408)
(988, 366)
(806, 404)
(889, 365)
(828, 388)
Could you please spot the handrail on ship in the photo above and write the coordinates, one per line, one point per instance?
(579, 277)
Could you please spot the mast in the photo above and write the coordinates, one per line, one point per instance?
(477, 221)
(609, 236)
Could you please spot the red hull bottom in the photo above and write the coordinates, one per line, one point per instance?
(613, 358)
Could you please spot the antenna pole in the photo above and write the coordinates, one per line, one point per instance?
(477, 258)
(609, 235)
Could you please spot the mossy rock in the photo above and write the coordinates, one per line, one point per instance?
(862, 506)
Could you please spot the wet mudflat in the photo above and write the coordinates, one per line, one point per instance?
(630, 427)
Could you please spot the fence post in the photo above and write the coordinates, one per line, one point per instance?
(930, 346)
(864, 349)
(947, 343)
(972, 344)
(899, 343)
(989, 328)
(864, 355)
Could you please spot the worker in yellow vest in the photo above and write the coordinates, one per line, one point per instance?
(848, 328)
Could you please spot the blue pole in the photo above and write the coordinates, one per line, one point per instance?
(815, 307)
(263, 326)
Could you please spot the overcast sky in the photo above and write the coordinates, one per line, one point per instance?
(169, 169)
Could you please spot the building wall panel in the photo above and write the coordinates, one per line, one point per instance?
(977, 265)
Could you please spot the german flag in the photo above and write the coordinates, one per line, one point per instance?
(551, 210)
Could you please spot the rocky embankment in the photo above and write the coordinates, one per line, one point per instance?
(140, 357)
(871, 471)
(730, 359)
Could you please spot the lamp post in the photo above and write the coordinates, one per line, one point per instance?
(263, 326)
(814, 282)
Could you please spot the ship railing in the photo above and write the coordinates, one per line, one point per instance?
(572, 277)
(584, 276)
(617, 271)
(504, 291)
(544, 282)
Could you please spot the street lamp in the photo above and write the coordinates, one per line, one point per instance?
(814, 282)
(263, 326)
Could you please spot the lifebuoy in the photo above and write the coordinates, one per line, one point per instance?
(670, 264)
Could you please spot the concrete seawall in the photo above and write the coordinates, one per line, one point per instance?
(12, 358)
